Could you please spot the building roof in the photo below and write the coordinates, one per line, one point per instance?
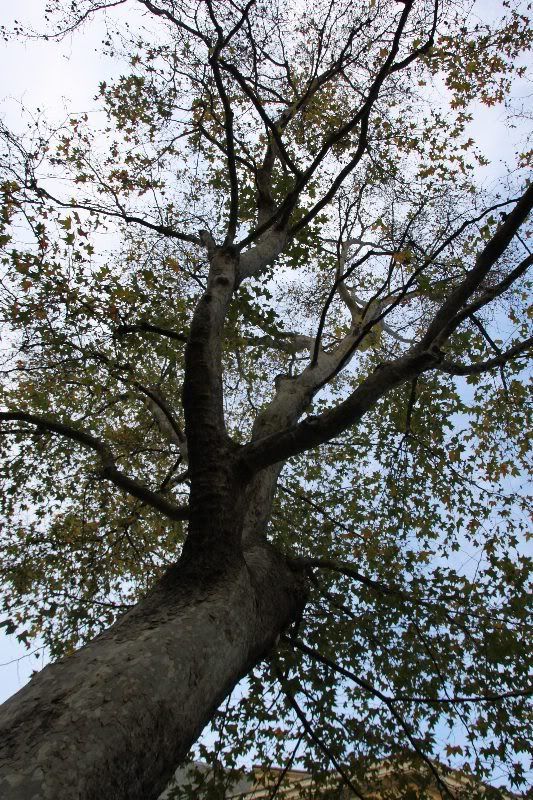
(381, 778)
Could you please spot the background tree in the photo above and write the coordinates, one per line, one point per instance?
(272, 256)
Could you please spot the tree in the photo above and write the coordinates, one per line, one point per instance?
(263, 398)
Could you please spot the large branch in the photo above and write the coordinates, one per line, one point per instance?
(398, 297)
(493, 291)
(425, 355)
(156, 403)
(289, 342)
(268, 247)
(446, 320)
(338, 283)
(315, 431)
(292, 396)
(454, 368)
(147, 327)
(108, 468)
(121, 214)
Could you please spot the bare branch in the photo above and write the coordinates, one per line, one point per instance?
(157, 405)
(164, 418)
(288, 342)
(94, 10)
(489, 697)
(322, 511)
(228, 125)
(178, 22)
(314, 736)
(344, 293)
(361, 118)
(334, 289)
(351, 572)
(271, 126)
(282, 213)
(381, 696)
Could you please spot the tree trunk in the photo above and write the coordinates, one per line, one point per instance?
(115, 719)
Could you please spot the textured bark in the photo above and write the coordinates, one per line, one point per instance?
(115, 719)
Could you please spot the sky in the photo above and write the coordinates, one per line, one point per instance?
(61, 78)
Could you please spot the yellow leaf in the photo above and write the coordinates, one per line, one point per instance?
(172, 263)
(402, 256)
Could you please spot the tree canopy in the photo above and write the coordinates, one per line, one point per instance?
(269, 245)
